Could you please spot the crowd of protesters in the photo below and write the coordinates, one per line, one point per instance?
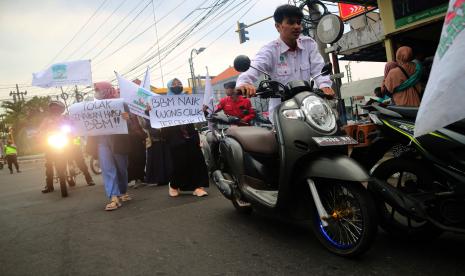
(169, 156)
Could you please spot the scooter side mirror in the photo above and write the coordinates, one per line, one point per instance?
(242, 63)
(327, 69)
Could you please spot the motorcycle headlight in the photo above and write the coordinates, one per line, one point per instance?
(319, 114)
(57, 141)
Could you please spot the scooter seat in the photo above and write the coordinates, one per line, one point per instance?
(254, 139)
(407, 112)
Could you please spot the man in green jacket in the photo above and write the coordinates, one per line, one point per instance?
(11, 155)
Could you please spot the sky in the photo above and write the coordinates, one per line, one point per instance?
(118, 35)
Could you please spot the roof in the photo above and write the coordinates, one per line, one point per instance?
(226, 74)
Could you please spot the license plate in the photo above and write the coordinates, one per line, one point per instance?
(334, 141)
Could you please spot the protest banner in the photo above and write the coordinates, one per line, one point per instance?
(64, 73)
(99, 117)
(443, 99)
(135, 96)
(176, 110)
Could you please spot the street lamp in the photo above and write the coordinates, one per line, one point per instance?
(196, 51)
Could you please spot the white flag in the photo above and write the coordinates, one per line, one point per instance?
(65, 73)
(136, 97)
(146, 83)
(208, 95)
(443, 101)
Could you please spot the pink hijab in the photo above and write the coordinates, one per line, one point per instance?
(104, 90)
(388, 67)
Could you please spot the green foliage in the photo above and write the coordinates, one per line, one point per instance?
(23, 116)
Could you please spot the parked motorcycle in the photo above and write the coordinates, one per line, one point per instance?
(426, 195)
(299, 170)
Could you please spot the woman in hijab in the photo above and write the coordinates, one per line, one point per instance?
(158, 167)
(387, 68)
(189, 169)
(403, 81)
(112, 151)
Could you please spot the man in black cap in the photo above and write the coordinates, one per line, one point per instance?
(236, 105)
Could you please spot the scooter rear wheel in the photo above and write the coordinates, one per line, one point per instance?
(351, 218)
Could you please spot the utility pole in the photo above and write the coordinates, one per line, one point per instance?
(349, 72)
(18, 95)
(77, 96)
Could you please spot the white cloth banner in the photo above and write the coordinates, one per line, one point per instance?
(135, 96)
(443, 101)
(99, 117)
(66, 73)
(176, 110)
(208, 95)
(146, 83)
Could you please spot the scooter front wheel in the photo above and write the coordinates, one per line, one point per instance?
(350, 227)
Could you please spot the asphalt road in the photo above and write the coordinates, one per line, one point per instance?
(44, 234)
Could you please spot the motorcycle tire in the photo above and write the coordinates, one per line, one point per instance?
(95, 166)
(344, 202)
(64, 189)
(393, 224)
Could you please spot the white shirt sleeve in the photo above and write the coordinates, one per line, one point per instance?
(316, 64)
(263, 61)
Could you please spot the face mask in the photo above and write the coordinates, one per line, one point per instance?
(176, 89)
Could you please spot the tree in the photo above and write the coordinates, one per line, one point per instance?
(24, 115)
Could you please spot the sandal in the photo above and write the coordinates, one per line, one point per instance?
(125, 197)
(200, 192)
(113, 205)
(173, 192)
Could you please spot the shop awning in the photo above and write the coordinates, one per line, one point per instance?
(357, 2)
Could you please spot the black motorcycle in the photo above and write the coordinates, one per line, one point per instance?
(300, 169)
(426, 195)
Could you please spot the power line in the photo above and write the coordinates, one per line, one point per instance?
(75, 35)
(180, 38)
(109, 33)
(216, 25)
(95, 32)
(101, 51)
(158, 44)
(138, 35)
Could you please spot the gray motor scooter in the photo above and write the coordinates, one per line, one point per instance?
(299, 169)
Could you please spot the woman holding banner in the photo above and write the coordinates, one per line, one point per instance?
(189, 169)
(112, 151)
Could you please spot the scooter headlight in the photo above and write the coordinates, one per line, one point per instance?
(319, 114)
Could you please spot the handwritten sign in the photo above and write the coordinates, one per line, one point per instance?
(176, 110)
(100, 117)
(138, 102)
(136, 97)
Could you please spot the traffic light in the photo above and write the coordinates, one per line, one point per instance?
(242, 32)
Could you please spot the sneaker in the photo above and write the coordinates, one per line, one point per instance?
(200, 192)
(173, 192)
